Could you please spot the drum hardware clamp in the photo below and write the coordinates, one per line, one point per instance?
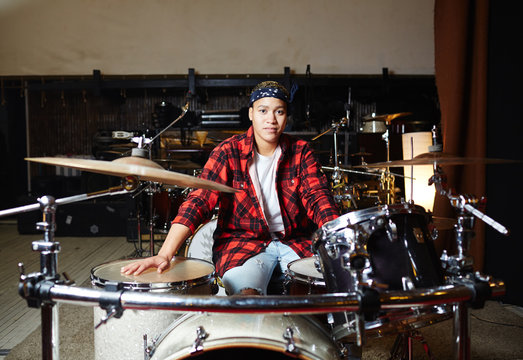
(465, 205)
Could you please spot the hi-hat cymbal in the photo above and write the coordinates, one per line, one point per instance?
(436, 158)
(142, 168)
(387, 118)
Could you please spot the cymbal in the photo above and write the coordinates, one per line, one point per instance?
(142, 168)
(387, 118)
(436, 158)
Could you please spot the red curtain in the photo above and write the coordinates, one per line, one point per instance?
(460, 31)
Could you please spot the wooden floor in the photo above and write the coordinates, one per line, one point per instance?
(77, 257)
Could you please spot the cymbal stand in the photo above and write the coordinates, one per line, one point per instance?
(459, 266)
(152, 188)
(465, 206)
(387, 182)
(335, 126)
(144, 150)
(32, 285)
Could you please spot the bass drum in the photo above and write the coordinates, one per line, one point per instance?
(244, 336)
(200, 244)
(122, 338)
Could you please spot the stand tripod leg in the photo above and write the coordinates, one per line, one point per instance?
(403, 346)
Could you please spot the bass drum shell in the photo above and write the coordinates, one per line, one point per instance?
(201, 243)
(122, 338)
(245, 336)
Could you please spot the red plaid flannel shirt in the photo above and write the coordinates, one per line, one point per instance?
(305, 199)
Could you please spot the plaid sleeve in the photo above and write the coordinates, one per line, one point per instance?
(200, 203)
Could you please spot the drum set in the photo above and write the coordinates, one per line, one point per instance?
(374, 272)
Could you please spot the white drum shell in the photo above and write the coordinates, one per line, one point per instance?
(253, 331)
(201, 243)
(122, 338)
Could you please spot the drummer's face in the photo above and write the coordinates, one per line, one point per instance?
(269, 117)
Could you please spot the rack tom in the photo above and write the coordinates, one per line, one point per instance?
(387, 248)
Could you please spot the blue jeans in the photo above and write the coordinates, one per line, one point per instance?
(256, 272)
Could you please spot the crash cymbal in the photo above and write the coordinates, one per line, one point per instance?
(387, 118)
(140, 167)
(436, 158)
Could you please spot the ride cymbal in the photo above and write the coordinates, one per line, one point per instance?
(436, 158)
(140, 167)
(387, 118)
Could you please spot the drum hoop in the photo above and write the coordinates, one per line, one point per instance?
(164, 286)
(245, 342)
(315, 281)
(358, 216)
(307, 279)
(363, 215)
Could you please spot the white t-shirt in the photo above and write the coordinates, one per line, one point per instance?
(264, 167)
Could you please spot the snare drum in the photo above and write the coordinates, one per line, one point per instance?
(304, 277)
(122, 338)
(244, 336)
(389, 248)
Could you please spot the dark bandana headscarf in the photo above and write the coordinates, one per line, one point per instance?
(269, 89)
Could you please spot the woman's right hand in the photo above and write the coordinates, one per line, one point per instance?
(136, 268)
(177, 234)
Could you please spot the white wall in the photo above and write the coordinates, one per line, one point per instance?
(73, 37)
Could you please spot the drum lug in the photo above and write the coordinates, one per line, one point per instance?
(148, 351)
(201, 335)
(291, 344)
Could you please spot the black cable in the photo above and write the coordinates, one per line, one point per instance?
(495, 323)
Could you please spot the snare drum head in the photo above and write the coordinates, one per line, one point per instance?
(305, 268)
(249, 336)
(181, 270)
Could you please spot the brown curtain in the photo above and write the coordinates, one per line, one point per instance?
(460, 31)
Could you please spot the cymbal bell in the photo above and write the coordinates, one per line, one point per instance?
(142, 168)
(436, 158)
(387, 118)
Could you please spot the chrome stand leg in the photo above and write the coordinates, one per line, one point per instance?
(461, 332)
(50, 332)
